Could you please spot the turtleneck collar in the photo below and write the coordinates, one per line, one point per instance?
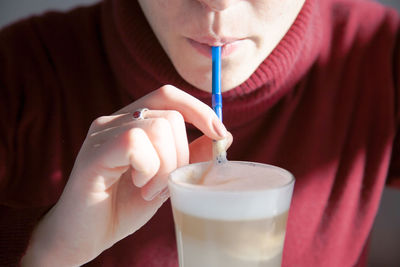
(141, 66)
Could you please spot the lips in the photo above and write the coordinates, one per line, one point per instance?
(203, 45)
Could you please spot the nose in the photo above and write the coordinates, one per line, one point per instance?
(218, 5)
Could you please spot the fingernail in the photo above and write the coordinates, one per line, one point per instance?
(160, 193)
(151, 197)
(164, 194)
(219, 128)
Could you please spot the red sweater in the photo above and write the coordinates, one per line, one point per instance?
(324, 105)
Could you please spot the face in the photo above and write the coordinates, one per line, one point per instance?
(247, 31)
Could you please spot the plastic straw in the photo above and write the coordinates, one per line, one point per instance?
(219, 151)
(216, 81)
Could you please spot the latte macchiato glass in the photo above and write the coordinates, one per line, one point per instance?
(235, 217)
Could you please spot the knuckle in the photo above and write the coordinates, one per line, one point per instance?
(160, 125)
(132, 137)
(135, 134)
(174, 116)
(152, 169)
(98, 122)
(102, 120)
(166, 91)
(146, 172)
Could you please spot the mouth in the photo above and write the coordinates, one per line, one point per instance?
(203, 45)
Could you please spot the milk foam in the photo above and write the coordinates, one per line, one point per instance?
(234, 191)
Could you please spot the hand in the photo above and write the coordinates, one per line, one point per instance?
(119, 179)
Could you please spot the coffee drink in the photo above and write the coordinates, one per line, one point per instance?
(237, 219)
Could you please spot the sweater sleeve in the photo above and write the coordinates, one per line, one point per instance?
(394, 171)
(16, 226)
(20, 210)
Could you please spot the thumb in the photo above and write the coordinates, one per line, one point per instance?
(201, 148)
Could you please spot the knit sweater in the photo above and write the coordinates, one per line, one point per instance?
(323, 105)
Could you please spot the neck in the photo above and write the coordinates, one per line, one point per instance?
(141, 65)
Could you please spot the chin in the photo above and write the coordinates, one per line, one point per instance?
(204, 83)
(199, 77)
(197, 72)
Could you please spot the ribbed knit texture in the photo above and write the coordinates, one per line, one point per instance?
(323, 105)
(127, 40)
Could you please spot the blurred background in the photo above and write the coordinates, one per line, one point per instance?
(11, 10)
(385, 237)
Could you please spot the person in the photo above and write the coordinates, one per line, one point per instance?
(100, 103)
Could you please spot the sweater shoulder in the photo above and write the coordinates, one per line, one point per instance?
(42, 56)
(48, 40)
(360, 48)
(363, 19)
(362, 33)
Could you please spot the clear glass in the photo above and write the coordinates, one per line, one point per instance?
(237, 219)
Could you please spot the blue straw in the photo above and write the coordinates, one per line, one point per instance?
(219, 154)
(216, 81)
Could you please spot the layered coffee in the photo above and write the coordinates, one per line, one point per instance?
(238, 218)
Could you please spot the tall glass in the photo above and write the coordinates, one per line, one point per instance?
(235, 218)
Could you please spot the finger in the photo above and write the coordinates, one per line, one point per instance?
(178, 128)
(193, 110)
(105, 123)
(127, 147)
(177, 123)
(134, 205)
(161, 136)
(201, 148)
(146, 145)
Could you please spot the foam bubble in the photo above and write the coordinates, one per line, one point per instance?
(237, 190)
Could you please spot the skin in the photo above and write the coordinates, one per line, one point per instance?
(253, 27)
(119, 179)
